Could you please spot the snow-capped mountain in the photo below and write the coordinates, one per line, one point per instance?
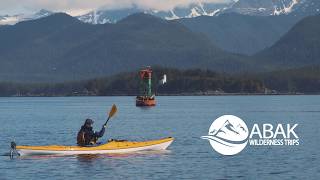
(308, 7)
(263, 7)
(13, 19)
(101, 16)
(111, 16)
(275, 7)
(107, 16)
(42, 13)
(247, 7)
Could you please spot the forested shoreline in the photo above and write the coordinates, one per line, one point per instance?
(179, 82)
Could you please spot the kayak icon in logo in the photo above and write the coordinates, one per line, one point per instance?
(228, 135)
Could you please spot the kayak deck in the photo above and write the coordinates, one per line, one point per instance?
(110, 147)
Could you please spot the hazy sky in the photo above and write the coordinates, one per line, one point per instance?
(75, 7)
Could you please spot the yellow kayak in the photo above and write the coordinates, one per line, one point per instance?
(110, 147)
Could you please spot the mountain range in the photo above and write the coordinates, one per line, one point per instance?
(101, 16)
(242, 27)
(245, 7)
(60, 47)
(240, 30)
(243, 34)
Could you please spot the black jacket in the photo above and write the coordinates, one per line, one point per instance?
(86, 136)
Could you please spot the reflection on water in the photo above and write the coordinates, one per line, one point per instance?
(94, 157)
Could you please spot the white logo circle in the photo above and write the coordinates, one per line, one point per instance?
(228, 135)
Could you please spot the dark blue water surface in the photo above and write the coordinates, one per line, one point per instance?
(56, 120)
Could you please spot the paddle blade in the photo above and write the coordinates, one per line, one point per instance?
(113, 110)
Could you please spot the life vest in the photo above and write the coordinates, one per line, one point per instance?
(81, 141)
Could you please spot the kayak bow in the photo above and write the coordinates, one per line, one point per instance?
(110, 147)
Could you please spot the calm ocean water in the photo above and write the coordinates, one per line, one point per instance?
(56, 120)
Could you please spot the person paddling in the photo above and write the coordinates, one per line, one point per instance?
(86, 135)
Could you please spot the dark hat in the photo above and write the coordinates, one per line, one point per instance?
(89, 121)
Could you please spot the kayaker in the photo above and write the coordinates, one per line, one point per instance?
(86, 135)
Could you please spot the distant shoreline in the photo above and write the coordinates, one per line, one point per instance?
(190, 82)
(181, 94)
